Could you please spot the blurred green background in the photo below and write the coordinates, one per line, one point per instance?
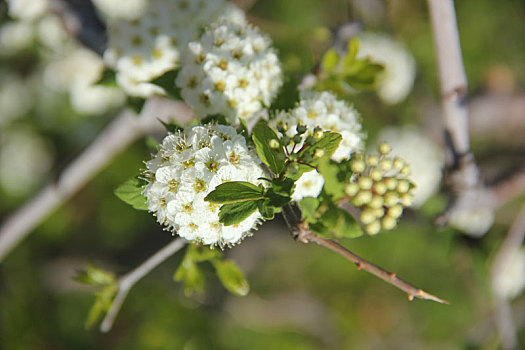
(302, 296)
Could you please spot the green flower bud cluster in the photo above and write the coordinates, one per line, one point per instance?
(303, 137)
(380, 188)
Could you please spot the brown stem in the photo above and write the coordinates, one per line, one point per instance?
(303, 234)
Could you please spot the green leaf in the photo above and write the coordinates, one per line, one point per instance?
(273, 158)
(232, 277)
(191, 276)
(362, 74)
(152, 143)
(303, 168)
(166, 80)
(320, 229)
(267, 211)
(108, 78)
(341, 223)
(243, 130)
(287, 96)
(233, 213)
(330, 60)
(334, 184)
(131, 193)
(215, 119)
(171, 126)
(353, 48)
(328, 143)
(94, 276)
(135, 103)
(276, 200)
(235, 191)
(283, 186)
(309, 207)
(103, 301)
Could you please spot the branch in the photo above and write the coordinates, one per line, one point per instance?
(118, 135)
(126, 282)
(508, 249)
(302, 233)
(461, 169)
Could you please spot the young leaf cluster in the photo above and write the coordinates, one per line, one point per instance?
(342, 73)
(190, 271)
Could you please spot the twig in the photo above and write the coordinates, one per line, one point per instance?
(462, 171)
(119, 134)
(303, 234)
(126, 282)
(503, 312)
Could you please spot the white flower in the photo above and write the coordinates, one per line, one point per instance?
(510, 282)
(325, 111)
(476, 217)
(27, 10)
(125, 9)
(309, 184)
(15, 37)
(25, 159)
(190, 165)
(232, 70)
(77, 72)
(148, 46)
(397, 78)
(426, 159)
(14, 96)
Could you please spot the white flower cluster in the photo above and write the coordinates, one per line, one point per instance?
(231, 70)
(125, 9)
(190, 165)
(25, 160)
(27, 10)
(397, 78)
(77, 73)
(148, 46)
(325, 111)
(426, 158)
(309, 184)
(510, 282)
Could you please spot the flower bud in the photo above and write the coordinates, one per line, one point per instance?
(380, 188)
(391, 198)
(318, 135)
(282, 127)
(384, 148)
(352, 189)
(407, 199)
(357, 165)
(274, 144)
(395, 211)
(297, 139)
(301, 129)
(376, 175)
(376, 202)
(367, 216)
(391, 183)
(285, 140)
(385, 164)
(310, 140)
(388, 222)
(398, 163)
(365, 183)
(373, 160)
(319, 153)
(373, 228)
(362, 198)
(405, 170)
(403, 186)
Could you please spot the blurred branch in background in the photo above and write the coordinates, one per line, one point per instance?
(125, 129)
(126, 282)
(503, 261)
(462, 174)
